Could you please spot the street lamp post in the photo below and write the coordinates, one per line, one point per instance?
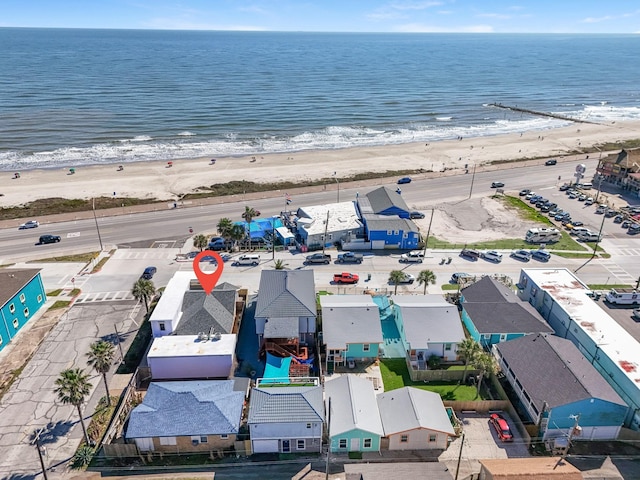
(96, 220)
(473, 177)
(335, 176)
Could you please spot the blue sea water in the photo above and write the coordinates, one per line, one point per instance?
(74, 97)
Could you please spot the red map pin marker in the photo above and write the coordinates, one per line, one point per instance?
(208, 280)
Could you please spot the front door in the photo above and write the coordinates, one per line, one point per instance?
(355, 445)
(286, 446)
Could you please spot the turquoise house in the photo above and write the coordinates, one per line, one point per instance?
(492, 313)
(351, 329)
(21, 296)
(345, 395)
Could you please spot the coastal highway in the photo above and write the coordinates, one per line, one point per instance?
(168, 223)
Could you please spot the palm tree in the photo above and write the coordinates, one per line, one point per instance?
(279, 264)
(487, 366)
(143, 289)
(248, 215)
(236, 234)
(426, 277)
(469, 349)
(225, 225)
(395, 277)
(73, 387)
(200, 241)
(100, 358)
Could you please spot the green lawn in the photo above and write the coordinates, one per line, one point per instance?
(395, 375)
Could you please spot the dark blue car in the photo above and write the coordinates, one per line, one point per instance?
(404, 180)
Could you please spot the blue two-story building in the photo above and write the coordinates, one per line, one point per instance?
(21, 296)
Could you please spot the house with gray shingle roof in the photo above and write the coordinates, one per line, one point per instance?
(414, 419)
(553, 381)
(286, 419)
(428, 325)
(493, 313)
(21, 296)
(383, 201)
(355, 424)
(351, 329)
(188, 416)
(286, 307)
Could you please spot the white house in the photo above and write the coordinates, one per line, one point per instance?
(428, 325)
(185, 357)
(327, 224)
(286, 419)
(166, 315)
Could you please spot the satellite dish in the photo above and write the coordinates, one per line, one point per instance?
(581, 168)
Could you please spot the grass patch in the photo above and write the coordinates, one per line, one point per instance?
(59, 304)
(102, 262)
(75, 292)
(54, 293)
(395, 375)
(604, 286)
(449, 286)
(139, 345)
(7, 265)
(79, 258)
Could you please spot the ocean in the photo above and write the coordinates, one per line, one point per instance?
(76, 97)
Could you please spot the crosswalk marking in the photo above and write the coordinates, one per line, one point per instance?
(158, 253)
(617, 271)
(92, 297)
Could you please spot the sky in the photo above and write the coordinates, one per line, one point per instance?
(459, 16)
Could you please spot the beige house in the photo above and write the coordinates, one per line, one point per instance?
(534, 468)
(414, 419)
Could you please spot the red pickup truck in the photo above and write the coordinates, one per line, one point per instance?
(345, 277)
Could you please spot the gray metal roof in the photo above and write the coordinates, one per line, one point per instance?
(389, 222)
(429, 319)
(350, 319)
(201, 312)
(488, 290)
(286, 405)
(279, 327)
(173, 409)
(506, 317)
(384, 198)
(286, 293)
(353, 405)
(12, 280)
(396, 470)
(409, 408)
(552, 369)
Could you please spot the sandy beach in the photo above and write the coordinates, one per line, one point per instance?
(158, 180)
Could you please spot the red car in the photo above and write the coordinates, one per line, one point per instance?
(502, 427)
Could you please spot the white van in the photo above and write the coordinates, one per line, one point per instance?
(577, 231)
(248, 259)
(589, 237)
(585, 186)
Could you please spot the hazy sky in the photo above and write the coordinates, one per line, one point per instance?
(552, 16)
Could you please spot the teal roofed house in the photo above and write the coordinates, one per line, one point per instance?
(21, 296)
(354, 424)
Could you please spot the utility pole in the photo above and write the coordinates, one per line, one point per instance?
(335, 176)
(426, 242)
(595, 247)
(115, 326)
(326, 226)
(459, 457)
(574, 429)
(96, 220)
(36, 442)
(326, 475)
(473, 177)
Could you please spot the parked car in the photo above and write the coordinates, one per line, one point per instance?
(636, 314)
(414, 256)
(501, 426)
(48, 239)
(416, 215)
(577, 223)
(497, 184)
(529, 195)
(522, 255)
(492, 256)
(564, 187)
(456, 277)
(29, 224)
(345, 277)
(633, 229)
(349, 257)
(573, 194)
(524, 192)
(403, 180)
(318, 258)
(625, 224)
(407, 278)
(601, 209)
(218, 243)
(540, 255)
(610, 213)
(618, 219)
(551, 161)
(470, 254)
(589, 201)
(582, 198)
(149, 272)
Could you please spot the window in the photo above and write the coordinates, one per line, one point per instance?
(22, 297)
(487, 336)
(432, 438)
(12, 308)
(330, 236)
(447, 346)
(162, 327)
(224, 436)
(300, 444)
(503, 337)
(389, 232)
(404, 438)
(366, 347)
(343, 443)
(39, 298)
(308, 425)
(15, 323)
(396, 232)
(167, 440)
(367, 443)
(204, 439)
(26, 312)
